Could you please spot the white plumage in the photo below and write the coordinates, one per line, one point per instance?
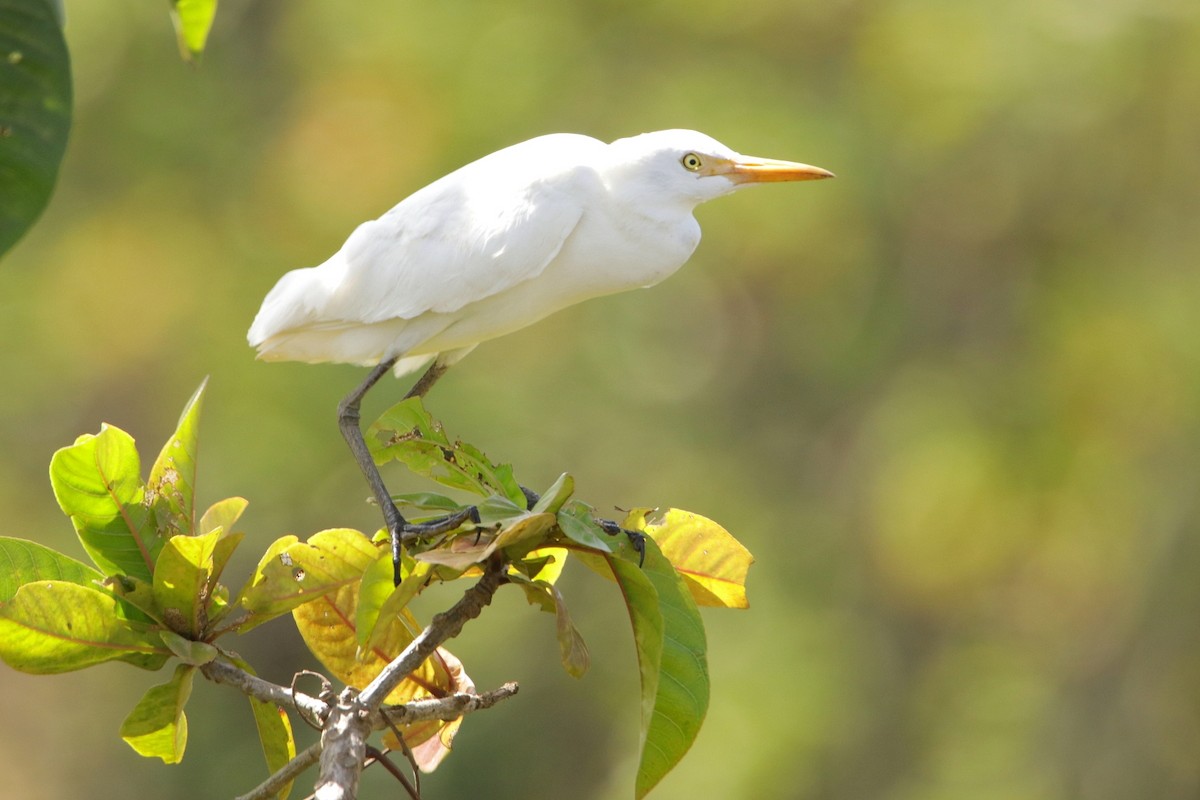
(502, 243)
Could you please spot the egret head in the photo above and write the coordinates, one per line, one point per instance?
(691, 168)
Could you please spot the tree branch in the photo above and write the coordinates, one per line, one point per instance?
(252, 686)
(443, 708)
(288, 772)
(445, 625)
(351, 720)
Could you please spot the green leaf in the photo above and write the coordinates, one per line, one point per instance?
(172, 484)
(415, 575)
(157, 726)
(97, 483)
(576, 522)
(137, 595)
(553, 498)
(373, 591)
(55, 626)
(189, 651)
(671, 647)
(407, 433)
(192, 19)
(35, 112)
(518, 535)
(293, 572)
(572, 649)
(223, 551)
(222, 514)
(182, 582)
(274, 732)
(418, 502)
(24, 562)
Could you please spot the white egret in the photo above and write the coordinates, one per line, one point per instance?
(495, 246)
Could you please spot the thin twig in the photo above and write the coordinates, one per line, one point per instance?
(379, 757)
(287, 773)
(253, 686)
(443, 708)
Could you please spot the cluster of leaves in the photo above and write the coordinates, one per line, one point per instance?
(155, 592)
(687, 561)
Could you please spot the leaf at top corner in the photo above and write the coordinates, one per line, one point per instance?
(52, 626)
(406, 432)
(170, 491)
(35, 112)
(97, 483)
(157, 726)
(192, 20)
(672, 658)
(22, 561)
(712, 563)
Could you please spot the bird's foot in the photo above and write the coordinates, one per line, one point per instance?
(636, 538)
(401, 530)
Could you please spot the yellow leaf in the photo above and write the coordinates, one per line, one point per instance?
(712, 563)
(430, 741)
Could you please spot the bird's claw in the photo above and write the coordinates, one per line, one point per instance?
(400, 530)
(637, 539)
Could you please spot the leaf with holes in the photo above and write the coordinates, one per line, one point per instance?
(293, 572)
(406, 432)
(170, 491)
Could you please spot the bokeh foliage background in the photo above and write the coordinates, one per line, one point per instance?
(951, 400)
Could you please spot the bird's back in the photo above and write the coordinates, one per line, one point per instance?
(399, 279)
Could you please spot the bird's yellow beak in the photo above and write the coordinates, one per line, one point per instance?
(748, 169)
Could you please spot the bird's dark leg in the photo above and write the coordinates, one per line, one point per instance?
(349, 419)
(436, 370)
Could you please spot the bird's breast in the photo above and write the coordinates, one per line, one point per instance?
(605, 256)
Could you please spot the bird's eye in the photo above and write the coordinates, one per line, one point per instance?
(691, 162)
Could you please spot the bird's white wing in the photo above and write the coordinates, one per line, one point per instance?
(476, 232)
(444, 248)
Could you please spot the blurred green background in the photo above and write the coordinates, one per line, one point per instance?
(950, 400)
